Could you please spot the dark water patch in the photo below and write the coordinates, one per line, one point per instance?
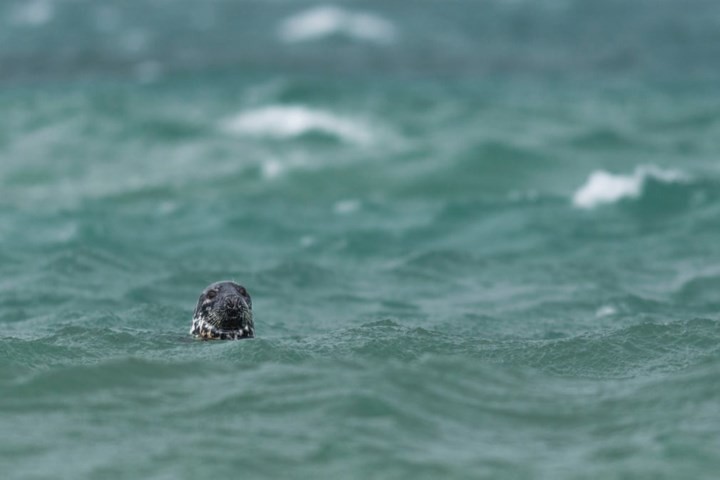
(381, 339)
(85, 261)
(111, 331)
(700, 292)
(75, 381)
(700, 118)
(168, 130)
(443, 284)
(364, 243)
(19, 355)
(661, 199)
(504, 208)
(135, 200)
(601, 139)
(296, 274)
(624, 352)
(504, 157)
(444, 265)
(627, 352)
(74, 344)
(394, 305)
(492, 168)
(316, 139)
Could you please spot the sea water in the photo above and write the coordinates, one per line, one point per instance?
(481, 238)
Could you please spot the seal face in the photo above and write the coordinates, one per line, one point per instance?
(223, 311)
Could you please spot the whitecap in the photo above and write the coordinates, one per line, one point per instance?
(290, 121)
(603, 187)
(325, 21)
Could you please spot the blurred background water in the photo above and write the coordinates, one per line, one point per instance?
(481, 238)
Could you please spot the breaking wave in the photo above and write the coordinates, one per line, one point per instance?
(290, 121)
(326, 21)
(603, 187)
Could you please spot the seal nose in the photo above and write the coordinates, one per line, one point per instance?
(234, 303)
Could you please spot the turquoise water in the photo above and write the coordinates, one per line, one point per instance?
(481, 239)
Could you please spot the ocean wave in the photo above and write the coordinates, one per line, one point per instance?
(305, 405)
(698, 287)
(291, 121)
(437, 264)
(603, 187)
(639, 350)
(326, 21)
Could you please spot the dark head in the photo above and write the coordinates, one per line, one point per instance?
(223, 311)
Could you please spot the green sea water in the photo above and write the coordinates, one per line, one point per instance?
(481, 239)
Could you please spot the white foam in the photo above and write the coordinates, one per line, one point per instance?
(325, 21)
(289, 121)
(603, 187)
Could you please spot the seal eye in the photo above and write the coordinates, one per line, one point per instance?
(211, 294)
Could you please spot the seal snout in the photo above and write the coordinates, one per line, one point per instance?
(235, 304)
(233, 313)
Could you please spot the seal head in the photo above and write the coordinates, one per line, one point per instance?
(223, 311)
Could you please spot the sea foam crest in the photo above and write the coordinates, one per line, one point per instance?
(289, 121)
(603, 187)
(325, 21)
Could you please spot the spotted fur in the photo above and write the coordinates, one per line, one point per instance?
(223, 312)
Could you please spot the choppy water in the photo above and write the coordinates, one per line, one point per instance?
(481, 239)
